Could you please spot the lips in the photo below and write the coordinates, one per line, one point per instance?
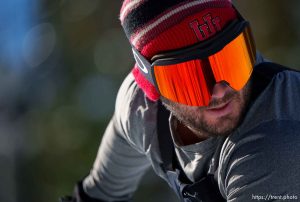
(219, 107)
(220, 110)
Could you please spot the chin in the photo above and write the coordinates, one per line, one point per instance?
(222, 119)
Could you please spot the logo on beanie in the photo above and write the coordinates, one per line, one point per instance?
(208, 28)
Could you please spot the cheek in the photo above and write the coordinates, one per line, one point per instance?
(240, 103)
(237, 106)
(187, 114)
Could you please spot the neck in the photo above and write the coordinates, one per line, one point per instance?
(188, 135)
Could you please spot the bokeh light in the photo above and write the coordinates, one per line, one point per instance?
(39, 43)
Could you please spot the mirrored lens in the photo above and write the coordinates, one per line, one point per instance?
(191, 82)
(187, 83)
(234, 63)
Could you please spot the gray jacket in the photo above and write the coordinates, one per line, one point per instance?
(259, 160)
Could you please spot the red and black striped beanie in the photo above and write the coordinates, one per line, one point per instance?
(154, 26)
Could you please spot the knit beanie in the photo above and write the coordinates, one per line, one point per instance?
(155, 26)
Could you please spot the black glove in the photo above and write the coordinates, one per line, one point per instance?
(78, 195)
(67, 199)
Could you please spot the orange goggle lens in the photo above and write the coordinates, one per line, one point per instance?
(191, 82)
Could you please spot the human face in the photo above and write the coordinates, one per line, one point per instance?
(223, 114)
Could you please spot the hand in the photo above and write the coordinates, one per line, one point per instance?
(67, 199)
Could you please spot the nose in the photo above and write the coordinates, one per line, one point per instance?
(219, 90)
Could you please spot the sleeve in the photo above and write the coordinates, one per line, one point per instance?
(263, 165)
(121, 159)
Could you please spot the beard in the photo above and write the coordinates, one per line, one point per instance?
(197, 119)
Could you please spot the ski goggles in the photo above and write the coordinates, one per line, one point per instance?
(188, 75)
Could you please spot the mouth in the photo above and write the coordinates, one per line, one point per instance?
(220, 110)
(219, 107)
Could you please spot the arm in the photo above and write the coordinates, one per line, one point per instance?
(117, 169)
(121, 159)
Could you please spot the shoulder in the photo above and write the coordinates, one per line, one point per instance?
(262, 155)
(282, 96)
(264, 160)
(135, 114)
(287, 77)
(278, 100)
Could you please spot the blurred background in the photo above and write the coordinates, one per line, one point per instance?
(61, 63)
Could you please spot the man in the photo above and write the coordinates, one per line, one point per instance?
(212, 118)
